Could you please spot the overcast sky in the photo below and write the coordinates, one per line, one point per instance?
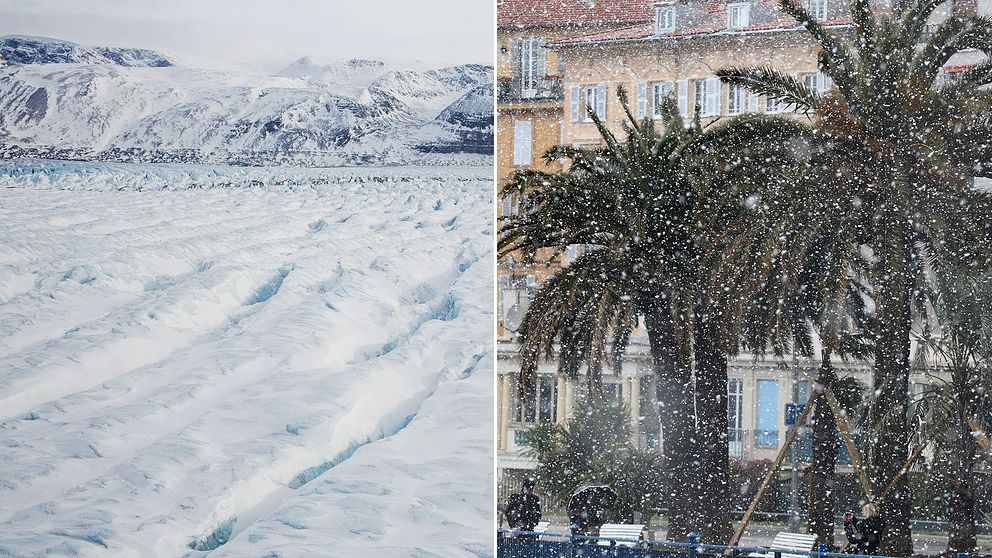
(268, 34)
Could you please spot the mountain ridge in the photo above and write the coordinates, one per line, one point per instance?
(82, 103)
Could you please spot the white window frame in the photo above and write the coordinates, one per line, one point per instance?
(738, 15)
(773, 106)
(522, 147)
(707, 96)
(817, 9)
(737, 98)
(509, 205)
(818, 82)
(591, 94)
(572, 253)
(659, 90)
(530, 48)
(664, 19)
(590, 98)
(520, 406)
(682, 95)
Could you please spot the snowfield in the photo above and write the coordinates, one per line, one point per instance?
(298, 366)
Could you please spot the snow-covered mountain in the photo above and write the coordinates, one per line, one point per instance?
(469, 120)
(59, 100)
(21, 49)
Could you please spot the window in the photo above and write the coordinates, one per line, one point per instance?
(818, 82)
(573, 251)
(947, 77)
(521, 142)
(766, 421)
(735, 416)
(660, 90)
(740, 100)
(649, 420)
(584, 96)
(509, 205)
(738, 15)
(664, 19)
(531, 63)
(817, 9)
(682, 93)
(595, 98)
(776, 105)
(802, 392)
(612, 391)
(708, 96)
(539, 404)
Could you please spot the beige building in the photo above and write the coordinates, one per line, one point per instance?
(656, 49)
(530, 101)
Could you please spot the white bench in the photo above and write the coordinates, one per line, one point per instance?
(786, 541)
(620, 531)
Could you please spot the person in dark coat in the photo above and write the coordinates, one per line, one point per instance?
(864, 535)
(585, 516)
(523, 510)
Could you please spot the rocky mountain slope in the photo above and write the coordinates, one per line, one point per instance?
(60, 100)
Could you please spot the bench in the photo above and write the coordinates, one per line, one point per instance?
(620, 531)
(786, 541)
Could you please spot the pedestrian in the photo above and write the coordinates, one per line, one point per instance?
(523, 510)
(585, 517)
(864, 535)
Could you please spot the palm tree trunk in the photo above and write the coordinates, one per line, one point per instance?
(711, 407)
(674, 393)
(962, 517)
(891, 385)
(820, 474)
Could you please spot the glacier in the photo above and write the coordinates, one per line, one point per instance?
(205, 360)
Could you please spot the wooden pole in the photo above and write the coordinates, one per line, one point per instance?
(905, 468)
(845, 433)
(790, 437)
(980, 437)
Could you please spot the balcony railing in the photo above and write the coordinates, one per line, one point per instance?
(547, 88)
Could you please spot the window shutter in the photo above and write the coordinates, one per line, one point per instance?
(573, 93)
(601, 101)
(791, 107)
(713, 91)
(521, 142)
(826, 84)
(752, 101)
(541, 56)
(683, 93)
(516, 55)
(642, 99)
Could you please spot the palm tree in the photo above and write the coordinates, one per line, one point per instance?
(595, 447)
(958, 341)
(822, 297)
(636, 201)
(899, 149)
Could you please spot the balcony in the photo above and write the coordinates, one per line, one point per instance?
(513, 89)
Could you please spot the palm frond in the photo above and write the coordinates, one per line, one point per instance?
(773, 84)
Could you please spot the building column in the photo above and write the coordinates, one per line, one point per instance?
(504, 395)
(569, 399)
(561, 400)
(634, 395)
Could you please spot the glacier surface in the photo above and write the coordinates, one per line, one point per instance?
(295, 362)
